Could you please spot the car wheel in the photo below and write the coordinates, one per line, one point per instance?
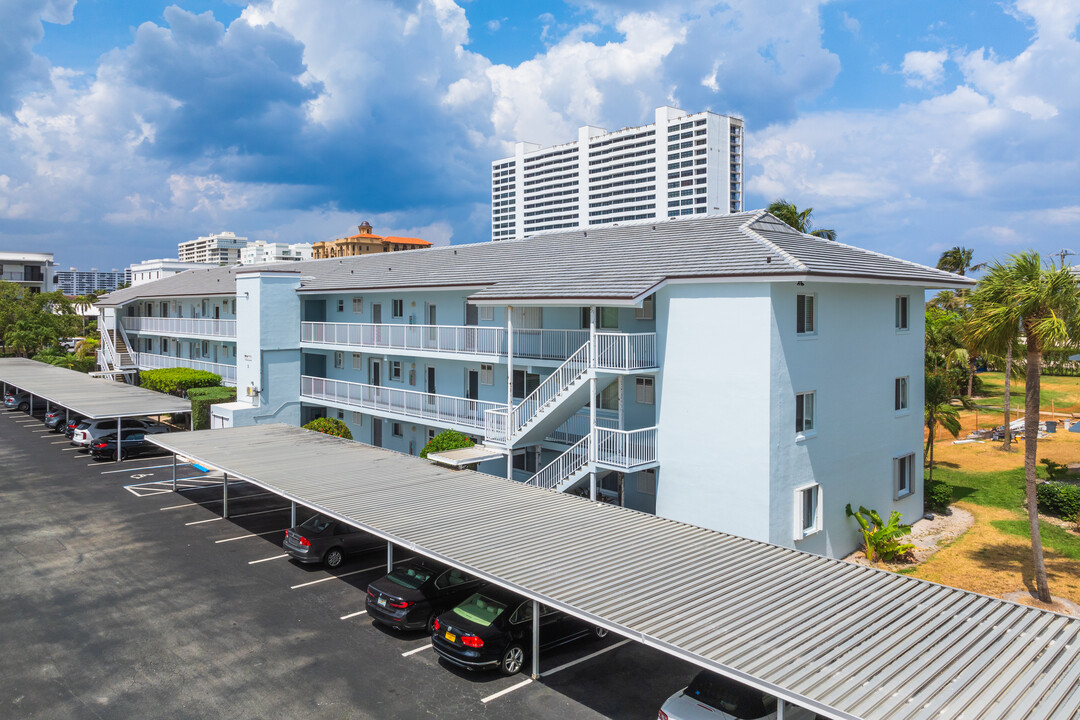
(25, 407)
(431, 624)
(513, 659)
(113, 456)
(123, 454)
(599, 633)
(334, 557)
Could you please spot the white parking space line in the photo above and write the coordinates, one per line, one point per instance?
(276, 557)
(422, 648)
(352, 615)
(42, 431)
(70, 448)
(249, 535)
(508, 690)
(200, 522)
(59, 442)
(590, 656)
(335, 577)
(186, 505)
(148, 467)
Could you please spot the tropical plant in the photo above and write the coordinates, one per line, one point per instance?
(798, 219)
(447, 440)
(958, 260)
(882, 539)
(31, 322)
(938, 410)
(330, 426)
(1044, 303)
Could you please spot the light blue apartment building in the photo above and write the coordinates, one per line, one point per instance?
(724, 371)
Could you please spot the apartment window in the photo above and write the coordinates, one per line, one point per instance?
(357, 361)
(644, 393)
(487, 312)
(358, 418)
(645, 312)
(900, 394)
(397, 430)
(339, 359)
(646, 482)
(395, 370)
(487, 375)
(164, 345)
(525, 461)
(525, 383)
(340, 414)
(807, 511)
(232, 304)
(608, 398)
(357, 305)
(805, 315)
(205, 308)
(205, 347)
(804, 412)
(398, 308)
(902, 312)
(430, 434)
(902, 480)
(341, 306)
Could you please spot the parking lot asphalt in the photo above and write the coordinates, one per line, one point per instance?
(123, 599)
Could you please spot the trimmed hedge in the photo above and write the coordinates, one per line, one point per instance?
(1058, 499)
(937, 496)
(203, 398)
(177, 381)
(330, 426)
(447, 440)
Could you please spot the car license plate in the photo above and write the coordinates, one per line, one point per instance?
(451, 637)
(382, 601)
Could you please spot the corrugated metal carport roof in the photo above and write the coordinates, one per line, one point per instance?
(845, 640)
(90, 397)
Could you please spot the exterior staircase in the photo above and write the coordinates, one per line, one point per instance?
(603, 448)
(115, 358)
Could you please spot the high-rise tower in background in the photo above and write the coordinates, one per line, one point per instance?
(682, 164)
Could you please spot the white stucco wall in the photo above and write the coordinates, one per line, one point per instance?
(712, 400)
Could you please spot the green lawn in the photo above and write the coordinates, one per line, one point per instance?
(1053, 537)
(1061, 392)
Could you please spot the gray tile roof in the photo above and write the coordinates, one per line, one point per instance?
(612, 262)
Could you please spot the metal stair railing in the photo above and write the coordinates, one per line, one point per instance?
(563, 377)
(562, 467)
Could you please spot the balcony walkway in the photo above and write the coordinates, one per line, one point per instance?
(151, 361)
(181, 327)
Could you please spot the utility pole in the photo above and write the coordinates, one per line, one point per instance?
(1063, 253)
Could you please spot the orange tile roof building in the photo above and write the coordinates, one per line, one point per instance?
(364, 243)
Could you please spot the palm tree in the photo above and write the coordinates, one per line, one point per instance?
(938, 410)
(798, 219)
(1044, 302)
(958, 260)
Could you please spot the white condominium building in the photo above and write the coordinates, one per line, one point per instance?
(261, 251)
(82, 282)
(31, 270)
(147, 270)
(220, 248)
(681, 164)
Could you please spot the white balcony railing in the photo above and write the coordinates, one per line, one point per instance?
(181, 327)
(625, 351)
(625, 448)
(563, 467)
(443, 409)
(577, 427)
(150, 361)
(471, 340)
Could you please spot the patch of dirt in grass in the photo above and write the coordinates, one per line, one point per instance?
(988, 561)
(1061, 605)
(1062, 447)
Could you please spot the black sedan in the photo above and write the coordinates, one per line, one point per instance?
(492, 628)
(325, 540)
(134, 444)
(410, 597)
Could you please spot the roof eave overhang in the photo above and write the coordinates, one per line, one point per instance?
(394, 288)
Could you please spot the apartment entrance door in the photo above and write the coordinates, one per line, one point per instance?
(472, 384)
(431, 380)
(376, 373)
(472, 319)
(376, 432)
(376, 318)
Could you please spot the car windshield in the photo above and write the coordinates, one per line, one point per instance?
(82, 426)
(411, 577)
(480, 610)
(316, 523)
(730, 697)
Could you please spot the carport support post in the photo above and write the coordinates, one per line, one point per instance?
(31, 404)
(535, 640)
(225, 497)
(780, 707)
(174, 472)
(119, 441)
(293, 515)
(389, 557)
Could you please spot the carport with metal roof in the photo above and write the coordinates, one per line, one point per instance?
(844, 640)
(91, 398)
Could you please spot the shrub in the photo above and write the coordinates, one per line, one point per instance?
(1058, 499)
(330, 426)
(66, 360)
(447, 440)
(177, 381)
(1055, 471)
(203, 398)
(882, 538)
(937, 496)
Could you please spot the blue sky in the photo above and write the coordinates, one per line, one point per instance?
(909, 125)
